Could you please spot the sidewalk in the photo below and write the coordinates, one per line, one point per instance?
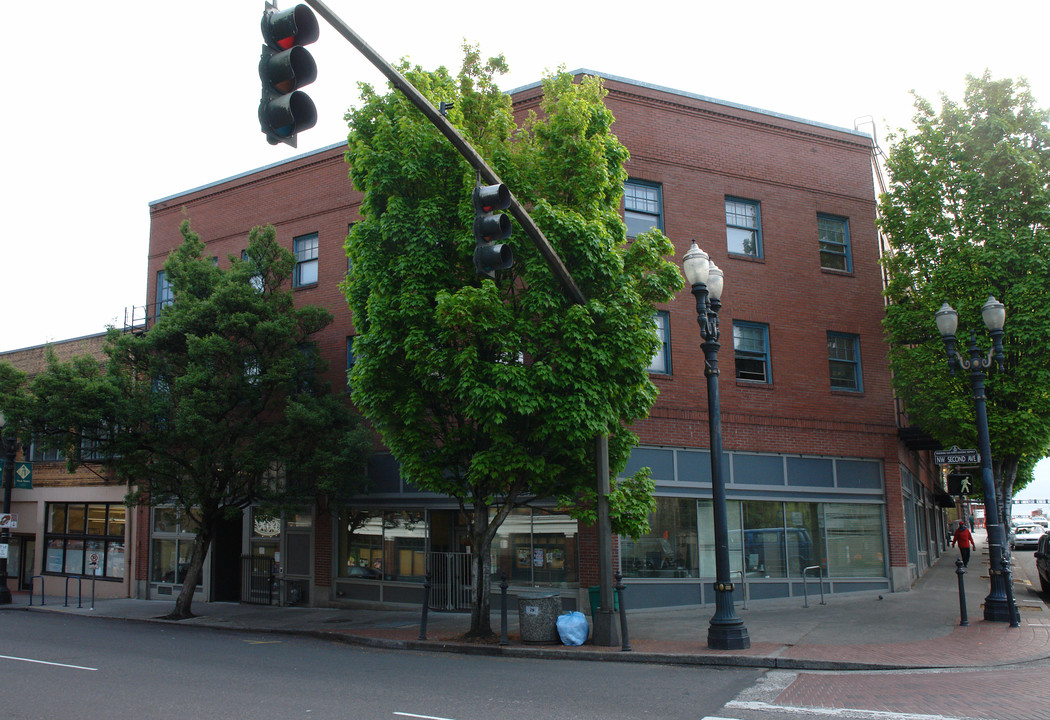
(864, 631)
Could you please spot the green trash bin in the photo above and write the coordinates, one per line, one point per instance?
(595, 592)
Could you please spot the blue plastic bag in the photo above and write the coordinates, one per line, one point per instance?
(573, 628)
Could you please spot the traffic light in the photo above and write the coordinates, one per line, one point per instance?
(490, 228)
(285, 66)
(959, 484)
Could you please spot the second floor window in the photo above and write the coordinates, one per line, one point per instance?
(641, 207)
(751, 351)
(306, 252)
(743, 236)
(661, 362)
(833, 234)
(165, 296)
(844, 361)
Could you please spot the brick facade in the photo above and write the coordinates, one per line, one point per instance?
(699, 151)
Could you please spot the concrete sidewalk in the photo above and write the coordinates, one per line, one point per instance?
(916, 629)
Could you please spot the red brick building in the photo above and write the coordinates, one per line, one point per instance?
(817, 477)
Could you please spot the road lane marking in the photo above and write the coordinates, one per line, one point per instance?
(422, 717)
(850, 713)
(45, 662)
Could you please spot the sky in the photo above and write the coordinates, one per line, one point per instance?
(120, 103)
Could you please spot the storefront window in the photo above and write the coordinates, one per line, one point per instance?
(707, 538)
(537, 546)
(670, 549)
(79, 538)
(804, 538)
(856, 544)
(383, 545)
(765, 548)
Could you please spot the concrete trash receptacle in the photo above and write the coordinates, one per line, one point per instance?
(538, 617)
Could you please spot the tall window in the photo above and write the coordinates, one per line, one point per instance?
(85, 539)
(743, 229)
(306, 249)
(165, 296)
(171, 545)
(641, 207)
(844, 361)
(751, 351)
(833, 234)
(661, 362)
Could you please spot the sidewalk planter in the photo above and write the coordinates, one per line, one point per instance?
(538, 617)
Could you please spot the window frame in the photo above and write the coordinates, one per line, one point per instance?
(750, 354)
(827, 248)
(855, 362)
(662, 324)
(109, 541)
(306, 257)
(636, 205)
(756, 230)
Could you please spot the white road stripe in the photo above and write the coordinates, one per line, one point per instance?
(422, 717)
(842, 713)
(44, 662)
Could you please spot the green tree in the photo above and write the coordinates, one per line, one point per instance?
(217, 406)
(493, 392)
(968, 216)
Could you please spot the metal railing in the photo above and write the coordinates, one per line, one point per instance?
(743, 582)
(452, 581)
(257, 580)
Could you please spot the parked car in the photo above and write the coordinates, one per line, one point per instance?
(1025, 536)
(1042, 562)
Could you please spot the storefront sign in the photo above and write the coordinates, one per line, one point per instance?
(9, 520)
(24, 475)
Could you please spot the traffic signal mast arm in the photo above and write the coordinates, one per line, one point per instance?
(465, 149)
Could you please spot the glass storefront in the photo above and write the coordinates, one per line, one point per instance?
(85, 539)
(383, 545)
(536, 546)
(767, 539)
(171, 546)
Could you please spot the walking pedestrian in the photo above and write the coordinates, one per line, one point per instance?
(964, 539)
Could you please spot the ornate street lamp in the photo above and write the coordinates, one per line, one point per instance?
(998, 605)
(726, 631)
(9, 447)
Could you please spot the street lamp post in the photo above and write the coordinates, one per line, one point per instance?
(726, 630)
(997, 607)
(9, 447)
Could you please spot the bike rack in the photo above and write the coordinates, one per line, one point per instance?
(820, 582)
(80, 591)
(41, 589)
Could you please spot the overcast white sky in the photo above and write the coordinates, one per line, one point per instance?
(115, 104)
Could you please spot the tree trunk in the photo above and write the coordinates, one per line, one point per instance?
(184, 602)
(1005, 472)
(481, 606)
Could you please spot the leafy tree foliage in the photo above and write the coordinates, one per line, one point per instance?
(493, 392)
(217, 406)
(968, 216)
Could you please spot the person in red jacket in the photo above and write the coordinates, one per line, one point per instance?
(964, 539)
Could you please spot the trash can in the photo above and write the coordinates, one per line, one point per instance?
(538, 617)
(595, 592)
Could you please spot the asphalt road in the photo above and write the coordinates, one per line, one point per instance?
(55, 667)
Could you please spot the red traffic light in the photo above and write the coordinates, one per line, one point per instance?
(285, 29)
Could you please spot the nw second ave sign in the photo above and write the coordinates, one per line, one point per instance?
(955, 456)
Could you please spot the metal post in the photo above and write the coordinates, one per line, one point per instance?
(426, 606)
(620, 587)
(10, 445)
(503, 609)
(726, 630)
(997, 607)
(604, 627)
(959, 572)
(1015, 614)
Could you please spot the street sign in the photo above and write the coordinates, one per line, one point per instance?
(93, 559)
(9, 520)
(955, 456)
(24, 475)
(3, 551)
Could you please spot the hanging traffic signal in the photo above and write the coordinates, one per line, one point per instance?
(490, 228)
(285, 66)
